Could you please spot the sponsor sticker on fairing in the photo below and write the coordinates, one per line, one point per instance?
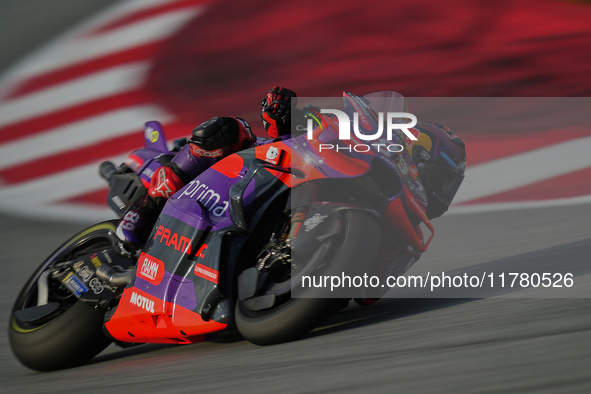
(85, 273)
(142, 302)
(312, 222)
(95, 260)
(207, 196)
(133, 162)
(97, 286)
(151, 134)
(272, 154)
(150, 269)
(178, 242)
(108, 257)
(117, 200)
(75, 285)
(206, 273)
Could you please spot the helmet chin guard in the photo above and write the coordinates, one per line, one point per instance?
(440, 157)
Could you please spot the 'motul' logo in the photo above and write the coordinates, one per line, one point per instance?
(392, 122)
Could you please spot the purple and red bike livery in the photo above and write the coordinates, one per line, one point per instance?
(228, 250)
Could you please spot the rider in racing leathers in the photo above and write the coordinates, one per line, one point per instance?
(438, 153)
(211, 141)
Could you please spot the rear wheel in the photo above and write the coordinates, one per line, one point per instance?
(60, 332)
(291, 318)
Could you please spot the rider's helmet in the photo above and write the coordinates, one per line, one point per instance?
(276, 111)
(220, 137)
(440, 157)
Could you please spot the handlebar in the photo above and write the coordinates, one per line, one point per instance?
(107, 169)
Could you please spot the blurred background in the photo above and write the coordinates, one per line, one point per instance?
(79, 78)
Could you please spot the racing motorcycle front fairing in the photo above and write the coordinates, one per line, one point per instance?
(387, 181)
(184, 284)
(214, 228)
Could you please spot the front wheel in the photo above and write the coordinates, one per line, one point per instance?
(61, 332)
(292, 318)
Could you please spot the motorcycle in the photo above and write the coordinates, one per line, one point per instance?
(229, 250)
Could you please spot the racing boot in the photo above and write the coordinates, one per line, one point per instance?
(139, 219)
(137, 223)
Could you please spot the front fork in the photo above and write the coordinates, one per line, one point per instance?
(276, 256)
(301, 199)
(279, 245)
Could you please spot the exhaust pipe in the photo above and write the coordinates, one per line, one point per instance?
(114, 276)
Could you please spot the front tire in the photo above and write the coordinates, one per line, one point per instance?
(295, 317)
(71, 335)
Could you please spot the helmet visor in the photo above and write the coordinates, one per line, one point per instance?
(442, 181)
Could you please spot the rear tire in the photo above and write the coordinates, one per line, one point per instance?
(297, 316)
(74, 335)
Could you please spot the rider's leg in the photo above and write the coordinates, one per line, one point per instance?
(137, 222)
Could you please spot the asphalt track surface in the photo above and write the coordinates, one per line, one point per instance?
(404, 345)
(398, 345)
